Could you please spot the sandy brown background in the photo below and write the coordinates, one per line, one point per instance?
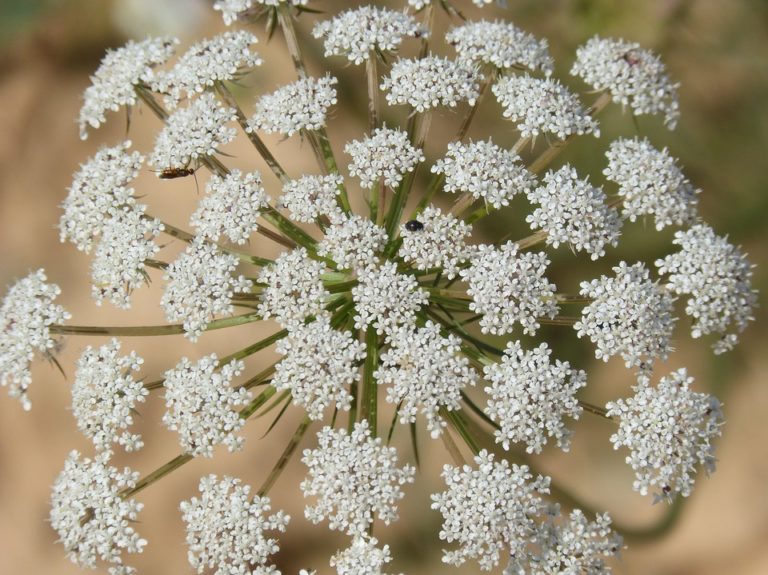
(716, 48)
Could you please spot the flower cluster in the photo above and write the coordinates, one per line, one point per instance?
(26, 317)
(201, 404)
(105, 395)
(226, 528)
(669, 430)
(396, 306)
(302, 105)
(92, 518)
(354, 478)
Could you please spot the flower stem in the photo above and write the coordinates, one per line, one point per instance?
(150, 330)
(258, 143)
(285, 457)
(189, 238)
(548, 155)
(368, 408)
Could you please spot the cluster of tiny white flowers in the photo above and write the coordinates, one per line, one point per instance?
(200, 404)
(716, 276)
(431, 81)
(231, 207)
(354, 477)
(26, 315)
(232, 10)
(488, 508)
(114, 84)
(302, 105)
(99, 187)
(193, 132)
(320, 364)
(294, 288)
(386, 154)
(425, 372)
(635, 77)
(226, 528)
(311, 197)
(485, 170)
(501, 45)
(386, 299)
(668, 430)
(650, 182)
(362, 557)
(93, 520)
(105, 394)
(539, 106)
(529, 396)
(573, 546)
(118, 266)
(440, 243)
(508, 288)
(571, 210)
(630, 315)
(353, 242)
(362, 32)
(200, 286)
(223, 57)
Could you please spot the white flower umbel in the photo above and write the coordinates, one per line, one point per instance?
(501, 45)
(425, 372)
(509, 288)
(430, 82)
(232, 10)
(716, 276)
(440, 243)
(201, 405)
(319, 366)
(114, 84)
(93, 520)
(362, 557)
(629, 315)
(26, 316)
(227, 56)
(635, 77)
(118, 266)
(226, 528)
(363, 32)
(668, 430)
(105, 395)
(311, 197)
(302, 105)
(569, 546)
(99, 187)
(353, 242)
(485, 170)
(294, 288)
(231, 207)
(530, 395)
(573, 211)
(193, 132)
(355, 479)
(201, 283)
(650, 183)
(543, 107)
(386, 299)
(386, 154)
(488, 509)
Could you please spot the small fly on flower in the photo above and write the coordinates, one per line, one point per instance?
(173, 173)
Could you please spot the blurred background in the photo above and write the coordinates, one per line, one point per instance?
(717, 50)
